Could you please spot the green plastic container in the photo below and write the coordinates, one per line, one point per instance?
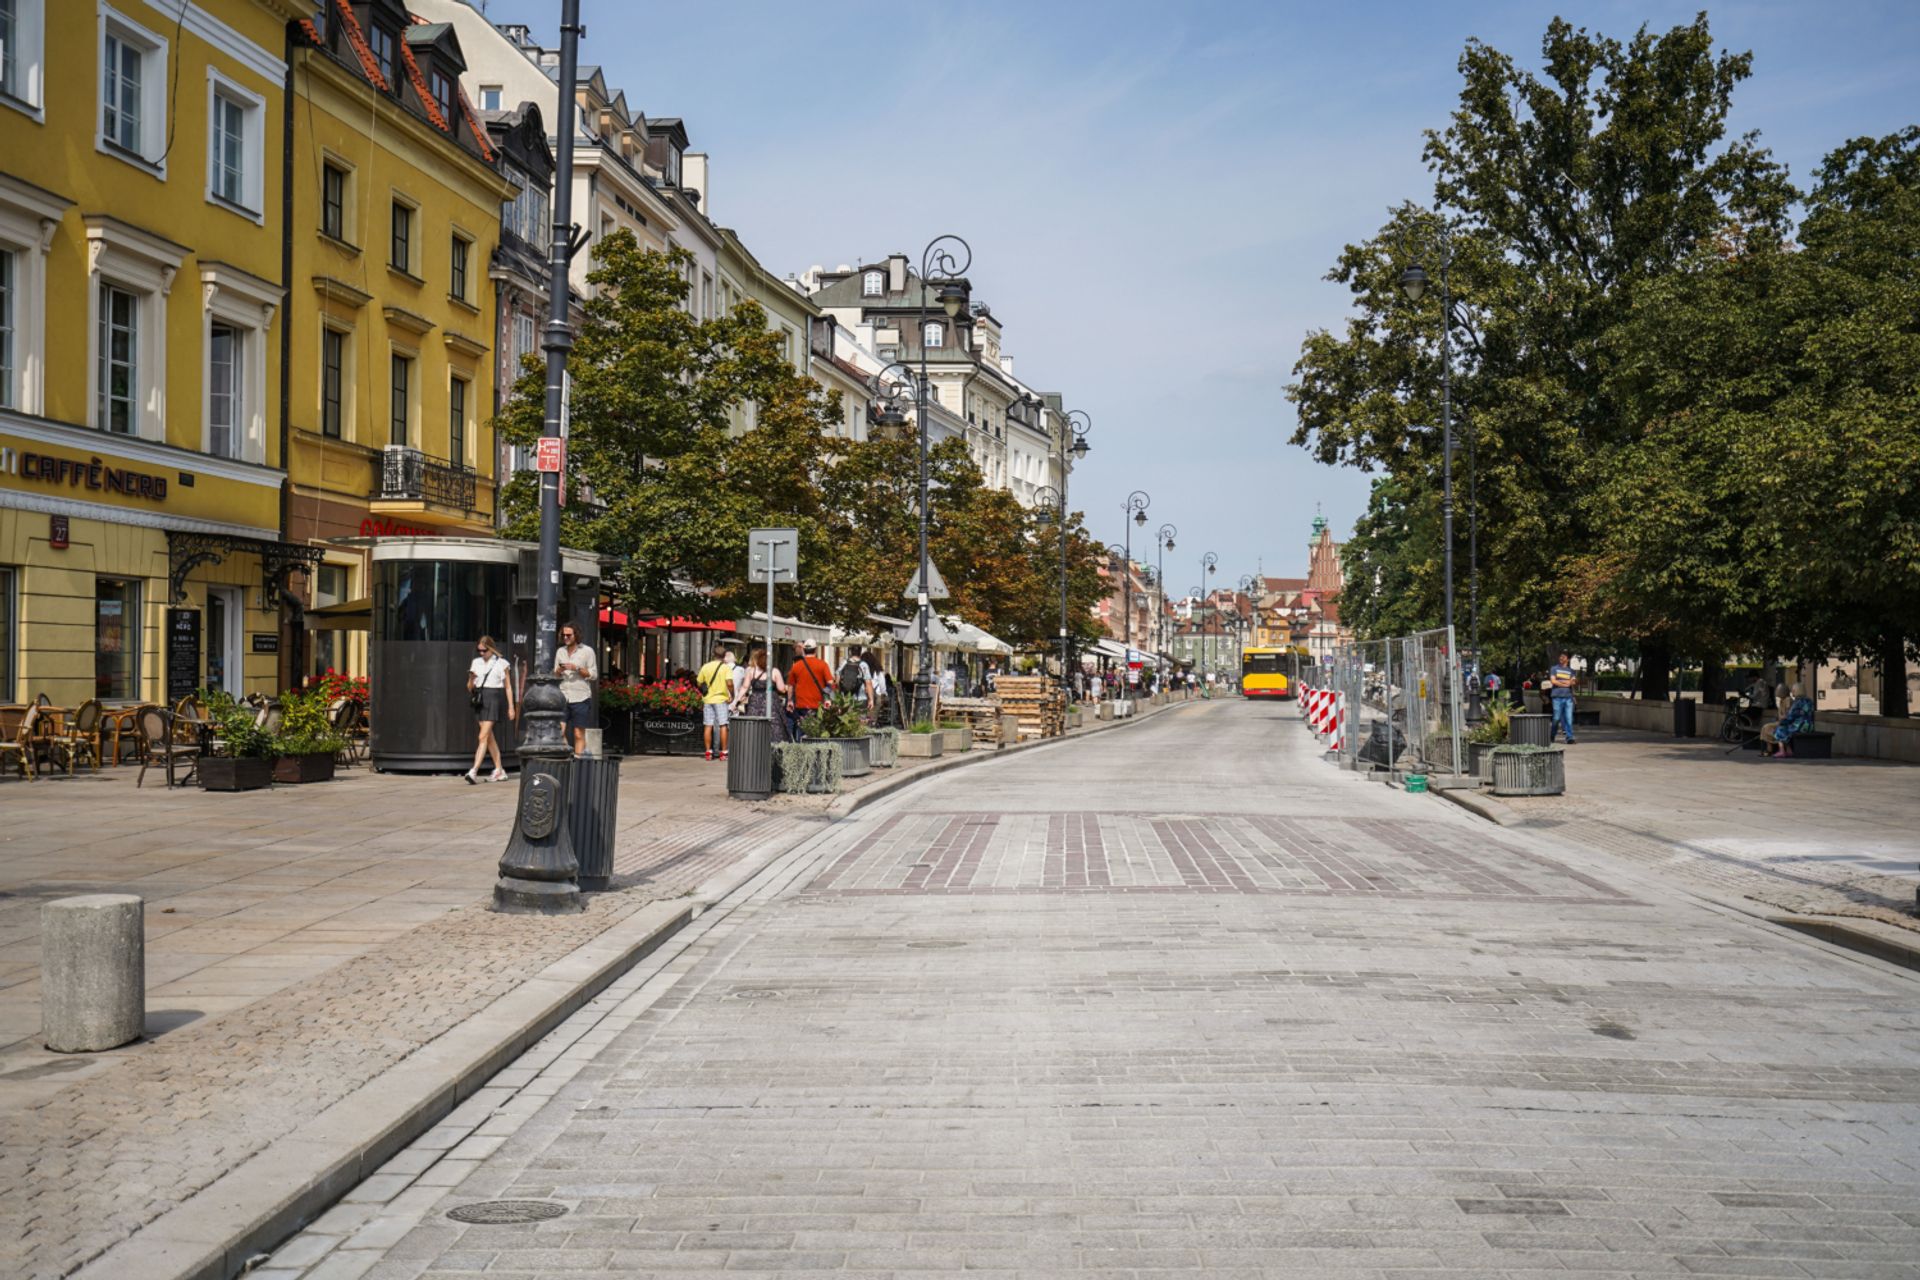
(1416, 783)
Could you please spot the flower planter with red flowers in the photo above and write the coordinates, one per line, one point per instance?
(661, 719)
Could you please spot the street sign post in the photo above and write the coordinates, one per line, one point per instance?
(773, 555)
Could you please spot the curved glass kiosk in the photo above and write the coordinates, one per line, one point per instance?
(433, 598)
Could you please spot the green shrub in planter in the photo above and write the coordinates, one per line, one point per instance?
(801, 767)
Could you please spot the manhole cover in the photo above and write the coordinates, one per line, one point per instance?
(936, 946)
(757, 993)
(506, 1212)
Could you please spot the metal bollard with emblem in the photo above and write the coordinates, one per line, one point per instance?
(539, 871)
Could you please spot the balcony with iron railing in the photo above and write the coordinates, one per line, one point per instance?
(407, 477)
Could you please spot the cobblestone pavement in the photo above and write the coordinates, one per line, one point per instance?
(927, 1044)
(1818, 837)
(299, 942)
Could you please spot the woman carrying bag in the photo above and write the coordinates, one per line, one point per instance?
(492, 694)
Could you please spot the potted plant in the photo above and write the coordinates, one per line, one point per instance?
(802, 767)
(838, 720)
(305, 747)
(244, 761)
(664, 717)
(1529, 771)
(922, 741)
(884, 746)
(957, 734)
(1488, 734)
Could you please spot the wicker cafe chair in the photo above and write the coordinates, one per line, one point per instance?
(20, 747)
(343, 717)
(80, 739)
(156, 726)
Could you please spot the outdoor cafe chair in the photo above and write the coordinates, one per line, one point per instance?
(79, 738)
(157, 728)
(343, 718)
(19, 749)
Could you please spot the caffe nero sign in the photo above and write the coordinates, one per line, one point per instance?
(96, 474)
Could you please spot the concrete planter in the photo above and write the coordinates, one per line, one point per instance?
(1529, 773)
(920, 746)
(1529, 730)
(956, 740)
(1104, 711)
(856, 760)
(1073, 717)
(883, 747)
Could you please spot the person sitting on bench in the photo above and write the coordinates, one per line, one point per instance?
(1776, 739)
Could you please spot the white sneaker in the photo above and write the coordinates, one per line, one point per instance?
(499, 775)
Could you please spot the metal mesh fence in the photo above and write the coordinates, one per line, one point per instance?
(1403, 699)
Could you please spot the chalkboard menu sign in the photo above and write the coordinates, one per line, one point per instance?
(183, 653)
(266, 644)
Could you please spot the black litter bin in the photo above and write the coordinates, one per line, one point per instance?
(750, 758)
(1683, 718)
(593, 809)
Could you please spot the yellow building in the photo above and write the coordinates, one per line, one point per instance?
(141, 298)
(397, 208)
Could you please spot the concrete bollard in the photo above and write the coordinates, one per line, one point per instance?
(93, 972)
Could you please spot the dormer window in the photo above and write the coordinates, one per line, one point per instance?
(381, 41)
(935, 334)
(443, 93)
(873, 286)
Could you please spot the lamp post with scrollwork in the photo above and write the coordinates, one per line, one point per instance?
(1163, 536)
(1208, 562)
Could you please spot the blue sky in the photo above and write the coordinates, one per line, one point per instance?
(1153, 191)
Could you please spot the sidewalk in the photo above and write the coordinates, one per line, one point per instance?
(1815, 837)
(301, 942)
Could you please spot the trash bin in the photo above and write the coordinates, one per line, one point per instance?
(1683, 713)
(593, 807)
(1530, 730)
(750, 758)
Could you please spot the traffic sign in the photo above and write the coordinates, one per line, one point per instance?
(938, 589)
(773, 555)
(551, 454)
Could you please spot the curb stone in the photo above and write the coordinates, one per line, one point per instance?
(253, 1208)
(1484, 806)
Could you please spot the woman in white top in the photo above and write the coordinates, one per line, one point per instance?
(492, 691)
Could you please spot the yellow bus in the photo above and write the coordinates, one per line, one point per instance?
(1269, 671)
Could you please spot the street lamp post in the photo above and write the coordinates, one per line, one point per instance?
(539, 872)
(1136, 506)
(951, 257)
(1073, 446)
(1194, 614)
(1207, 564)
(1163, 536)
(1413, 283)
(1051, 504)
(1244, 625)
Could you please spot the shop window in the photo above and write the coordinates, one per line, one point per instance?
(116, 639)
(133, 92)
(401, 401)
(118, 409)
(457, 421)
(9, 641)
(333, 201)
(333, 376)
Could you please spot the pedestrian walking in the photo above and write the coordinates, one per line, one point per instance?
(577, 669)
(855, 680)
(762, 692)
(1560, 681)
(715, 682)
(809, 681)
(492, 696)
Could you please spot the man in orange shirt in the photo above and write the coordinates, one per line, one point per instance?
(810, 680)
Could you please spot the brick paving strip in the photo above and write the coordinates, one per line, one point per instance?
(187, 1153)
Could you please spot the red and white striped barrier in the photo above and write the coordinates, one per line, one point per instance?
(1340, 722)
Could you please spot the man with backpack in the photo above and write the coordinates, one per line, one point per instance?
(855, 680)
(715, 681)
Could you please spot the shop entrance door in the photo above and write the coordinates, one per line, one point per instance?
(223, 639)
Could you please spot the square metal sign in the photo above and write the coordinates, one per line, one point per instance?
(773, 555)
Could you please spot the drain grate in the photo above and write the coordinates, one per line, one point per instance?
(758, 993)
(506, 1212)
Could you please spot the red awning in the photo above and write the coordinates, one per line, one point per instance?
(614, 618)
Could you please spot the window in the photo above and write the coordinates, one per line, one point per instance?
(116, 638)
(134, 96)
(402, 378)
(400, 254)
(333, 371)
(526, 337)
(489, 97)
(329, 587)
(936, 336)
(457, 273)
(442, 94)
(873, 286)
(9, 73)
(22, 23)
(333, 201)
(229, 142)
(381, 41)
(224, 393)
(457, 421)
(9, 291)
(119, 373)
(8, 644)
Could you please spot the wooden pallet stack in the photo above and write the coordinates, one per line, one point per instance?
(982, 715)
(1040, 704)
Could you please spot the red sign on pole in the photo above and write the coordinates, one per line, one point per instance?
(552, 454)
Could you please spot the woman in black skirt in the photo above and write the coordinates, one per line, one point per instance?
(491, 688)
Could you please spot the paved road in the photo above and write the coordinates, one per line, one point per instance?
(1187, 1001)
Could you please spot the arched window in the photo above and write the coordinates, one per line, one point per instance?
(873, 286)
(936, 334)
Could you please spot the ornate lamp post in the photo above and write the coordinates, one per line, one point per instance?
(1136, 506)
(1051, 505)
(1072, 442)
(1245, 625)
(1163, 537)
(538, 872)
(1194, 615)
(1207, 564)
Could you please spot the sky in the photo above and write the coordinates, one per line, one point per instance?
(1153, 192)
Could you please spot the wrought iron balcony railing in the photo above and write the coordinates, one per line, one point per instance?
(408, 475)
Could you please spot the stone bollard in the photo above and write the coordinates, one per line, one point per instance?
(93, 972)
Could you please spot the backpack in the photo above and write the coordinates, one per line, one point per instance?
(851, 679)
